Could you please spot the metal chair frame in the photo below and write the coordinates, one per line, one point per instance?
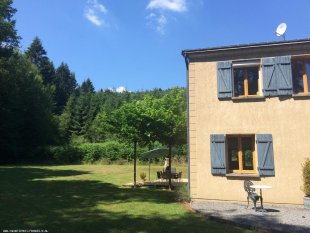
(252, 195)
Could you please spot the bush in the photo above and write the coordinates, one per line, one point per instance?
(143, 176)
(182, 194)
(58, 154)
(107, 151)
(306, 177)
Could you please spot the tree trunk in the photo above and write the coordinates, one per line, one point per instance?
(170, 186)
(135, 164)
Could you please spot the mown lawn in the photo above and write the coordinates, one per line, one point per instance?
(90, 198)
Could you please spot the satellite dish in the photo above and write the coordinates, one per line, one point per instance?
(281, 29)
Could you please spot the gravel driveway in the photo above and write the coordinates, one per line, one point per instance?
(278, 218)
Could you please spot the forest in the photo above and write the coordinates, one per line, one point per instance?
(47, 117)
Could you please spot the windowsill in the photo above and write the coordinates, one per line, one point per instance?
(302, 95)
(242, 175)
(248, 97)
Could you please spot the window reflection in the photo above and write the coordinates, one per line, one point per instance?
(308, 73)
(247, 153)
(246, 81)
(233, 153)
(297, 72)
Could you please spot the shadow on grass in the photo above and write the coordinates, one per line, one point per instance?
(87, 205)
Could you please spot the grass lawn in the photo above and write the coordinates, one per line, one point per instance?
(90, 198)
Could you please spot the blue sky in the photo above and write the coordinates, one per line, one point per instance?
(137, 43)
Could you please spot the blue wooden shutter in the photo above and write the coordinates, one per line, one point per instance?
(265, 155)
(218, 154)
(224, 80)
(269, 76)
(284, 75)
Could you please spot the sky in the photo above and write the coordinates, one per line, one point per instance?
(137, 44)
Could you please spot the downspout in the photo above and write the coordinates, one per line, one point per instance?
(187, 108)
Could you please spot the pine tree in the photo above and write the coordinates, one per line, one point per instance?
(26, 120)
(80, 111)
(8, 36)
(87, 86)
(65, 85)
(38, 56)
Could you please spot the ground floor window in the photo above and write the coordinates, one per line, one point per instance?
(241, 153)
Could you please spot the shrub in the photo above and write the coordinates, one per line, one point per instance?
(143, 176)
(58, 154)
(107, 151)
(306, 177)
(182, 194)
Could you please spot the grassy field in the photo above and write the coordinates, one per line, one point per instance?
(90, 198)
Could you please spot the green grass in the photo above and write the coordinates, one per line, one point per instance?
(90, 198)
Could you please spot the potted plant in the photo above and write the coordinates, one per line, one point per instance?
(306, 182)
(143, 176)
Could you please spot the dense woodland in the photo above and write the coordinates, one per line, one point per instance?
(45, 115)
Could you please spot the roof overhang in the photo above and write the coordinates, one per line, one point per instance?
(249, 51)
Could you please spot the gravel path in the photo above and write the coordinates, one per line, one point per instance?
(278, 218)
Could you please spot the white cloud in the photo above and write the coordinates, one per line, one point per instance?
(94, 12)
(159, 20)
(172, 5)
(162, 21)
(119, 89)
(93, 18)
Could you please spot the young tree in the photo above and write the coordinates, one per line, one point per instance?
(170, 120)
(131, 125)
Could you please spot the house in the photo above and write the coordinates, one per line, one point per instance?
(248, 119)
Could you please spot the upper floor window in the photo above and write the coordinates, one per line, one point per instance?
(301, 75)
(246, 81)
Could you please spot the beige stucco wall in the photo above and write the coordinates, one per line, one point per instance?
(287, 119)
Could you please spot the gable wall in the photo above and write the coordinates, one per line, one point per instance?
(287, 119)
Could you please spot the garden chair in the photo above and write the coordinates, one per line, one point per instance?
(251, 194)
(166, 175)
(160, 175)
(179, 176)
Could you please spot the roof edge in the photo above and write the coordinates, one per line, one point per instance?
(188, 52)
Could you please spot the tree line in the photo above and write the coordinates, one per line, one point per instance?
(42, 106)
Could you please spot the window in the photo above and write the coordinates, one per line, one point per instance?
(241, 153)
(246, 81)
(267, 77)
(247, 154)
(238, 79)
(301, 76)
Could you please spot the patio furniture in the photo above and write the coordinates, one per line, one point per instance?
(251, 194)
(260, 187)
(179, 176)
(166, 175)
(159, 175)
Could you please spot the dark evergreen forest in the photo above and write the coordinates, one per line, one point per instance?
(46, 116)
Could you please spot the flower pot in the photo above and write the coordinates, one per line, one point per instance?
(307, 202)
